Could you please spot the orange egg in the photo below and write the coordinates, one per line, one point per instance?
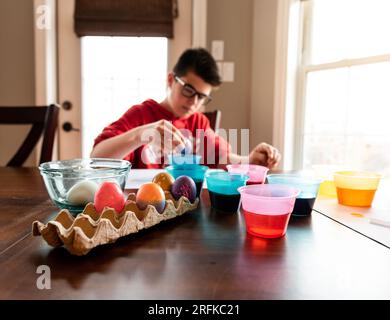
(150, 194)
(164, 180)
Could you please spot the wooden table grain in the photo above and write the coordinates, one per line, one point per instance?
(23, 198)
(201, 255)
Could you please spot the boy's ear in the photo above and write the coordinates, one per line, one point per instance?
(170, 79)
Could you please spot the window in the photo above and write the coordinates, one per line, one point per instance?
(343, 106)
(118, 72)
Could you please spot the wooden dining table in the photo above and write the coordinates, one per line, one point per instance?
(203, 254)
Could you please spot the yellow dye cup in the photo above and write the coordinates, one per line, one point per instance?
(356, 188)
(327, 189)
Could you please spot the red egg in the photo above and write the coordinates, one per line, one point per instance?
(110, 195)
(150, 194)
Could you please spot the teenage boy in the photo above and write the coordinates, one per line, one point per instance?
(159, 126)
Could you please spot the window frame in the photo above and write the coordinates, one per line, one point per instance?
(304, 67)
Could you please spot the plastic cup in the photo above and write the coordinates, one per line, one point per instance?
(184, 159)
(327, 189)
(195, 171)
(325, 173)
(255, 172)
(308, 187)
(356, 188)
(267, 209)
(223, 189)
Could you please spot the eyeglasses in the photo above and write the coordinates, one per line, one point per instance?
(190, 92)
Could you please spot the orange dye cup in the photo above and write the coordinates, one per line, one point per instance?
(356, 188)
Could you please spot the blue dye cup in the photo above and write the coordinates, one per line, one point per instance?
(223, 192)
(308, 187)
(195, 171)
(184, 159)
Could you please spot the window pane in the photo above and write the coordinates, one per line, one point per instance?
(326, 98)
(118, 72)
(347, 118)
(369, 104)
(344, 29)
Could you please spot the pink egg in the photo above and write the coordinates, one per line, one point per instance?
(109, 195)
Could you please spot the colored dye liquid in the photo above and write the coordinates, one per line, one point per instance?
(266, 226)
(199, 185)
(74, 210)
(354, 197)
(303, 207)
(249, 182)
(327, 189)
(223, 202)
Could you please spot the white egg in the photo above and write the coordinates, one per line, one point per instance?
(82, 192)
(188, 146)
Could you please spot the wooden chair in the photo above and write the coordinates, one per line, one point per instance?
(214, 118)
(44, 120)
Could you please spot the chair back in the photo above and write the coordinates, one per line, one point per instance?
(44, 120)
(214, 118)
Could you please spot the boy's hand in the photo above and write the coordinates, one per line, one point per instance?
(162, 136)
(265, 155)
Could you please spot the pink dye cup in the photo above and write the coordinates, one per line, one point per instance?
(256, 173)
(267, 208)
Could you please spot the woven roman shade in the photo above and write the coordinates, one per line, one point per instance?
(135, 18)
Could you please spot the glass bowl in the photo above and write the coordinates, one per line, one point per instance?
(71, 184)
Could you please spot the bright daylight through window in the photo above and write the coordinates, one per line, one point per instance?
(118, 72)
(345, 95)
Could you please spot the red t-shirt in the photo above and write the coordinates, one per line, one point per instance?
(150, 111)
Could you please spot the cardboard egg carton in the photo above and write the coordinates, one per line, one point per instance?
(90, 229)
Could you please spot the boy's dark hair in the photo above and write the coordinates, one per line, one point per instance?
(200, 62)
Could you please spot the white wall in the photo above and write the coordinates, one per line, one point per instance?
(232, 22)
(249, 30)
(263, 66)
(182, 30)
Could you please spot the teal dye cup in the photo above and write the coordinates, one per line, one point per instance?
(184, 159)
(308, 187)
(195, 171)
(223, 192)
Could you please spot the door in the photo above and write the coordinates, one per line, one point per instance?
(70, 77)
(69, 83)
